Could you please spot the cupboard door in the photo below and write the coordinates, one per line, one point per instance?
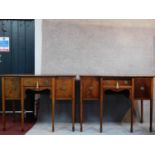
(12, 88)
(90, 87)
(143, 88)
(64, 87)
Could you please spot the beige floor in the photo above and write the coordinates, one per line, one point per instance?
(90, 129)
(63, 124)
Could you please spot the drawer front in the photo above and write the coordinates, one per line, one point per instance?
(90, 87)
(30, 81)
(37, 82)
(64, 88)
(12, 88)
(143, 88)
(45, 82)
(114, 83)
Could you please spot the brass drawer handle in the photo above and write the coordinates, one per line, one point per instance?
(107, 82)
(126, 82)
(37, 84)
(117, 85)
(46, 82)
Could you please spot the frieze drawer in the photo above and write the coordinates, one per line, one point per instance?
(37, 82)
(30, 81)
(64, 88)
(45, 82)
(115, 83)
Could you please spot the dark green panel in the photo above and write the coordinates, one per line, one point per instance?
(20, 59)
(5, 31)
(29, 28)
(21, 47)
(15, 47)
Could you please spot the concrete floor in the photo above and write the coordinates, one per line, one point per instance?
(63, 125)
(90, 129)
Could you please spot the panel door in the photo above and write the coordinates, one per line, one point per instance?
(90, 87)
(143, 88)
(20, 58)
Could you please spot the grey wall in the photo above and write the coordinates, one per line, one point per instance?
(102, 47)
(107, 47)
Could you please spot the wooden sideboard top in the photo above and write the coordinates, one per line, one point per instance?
(120, 76)
(73, 76)
(35, 75)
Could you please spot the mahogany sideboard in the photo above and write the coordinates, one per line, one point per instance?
(61, 88)
(91, 88)
(94, 88)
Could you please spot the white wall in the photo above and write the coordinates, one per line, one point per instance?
(38, 45)
(102, 47)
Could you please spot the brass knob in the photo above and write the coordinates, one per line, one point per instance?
(90, 88)
(142, 88)
(46, 82)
